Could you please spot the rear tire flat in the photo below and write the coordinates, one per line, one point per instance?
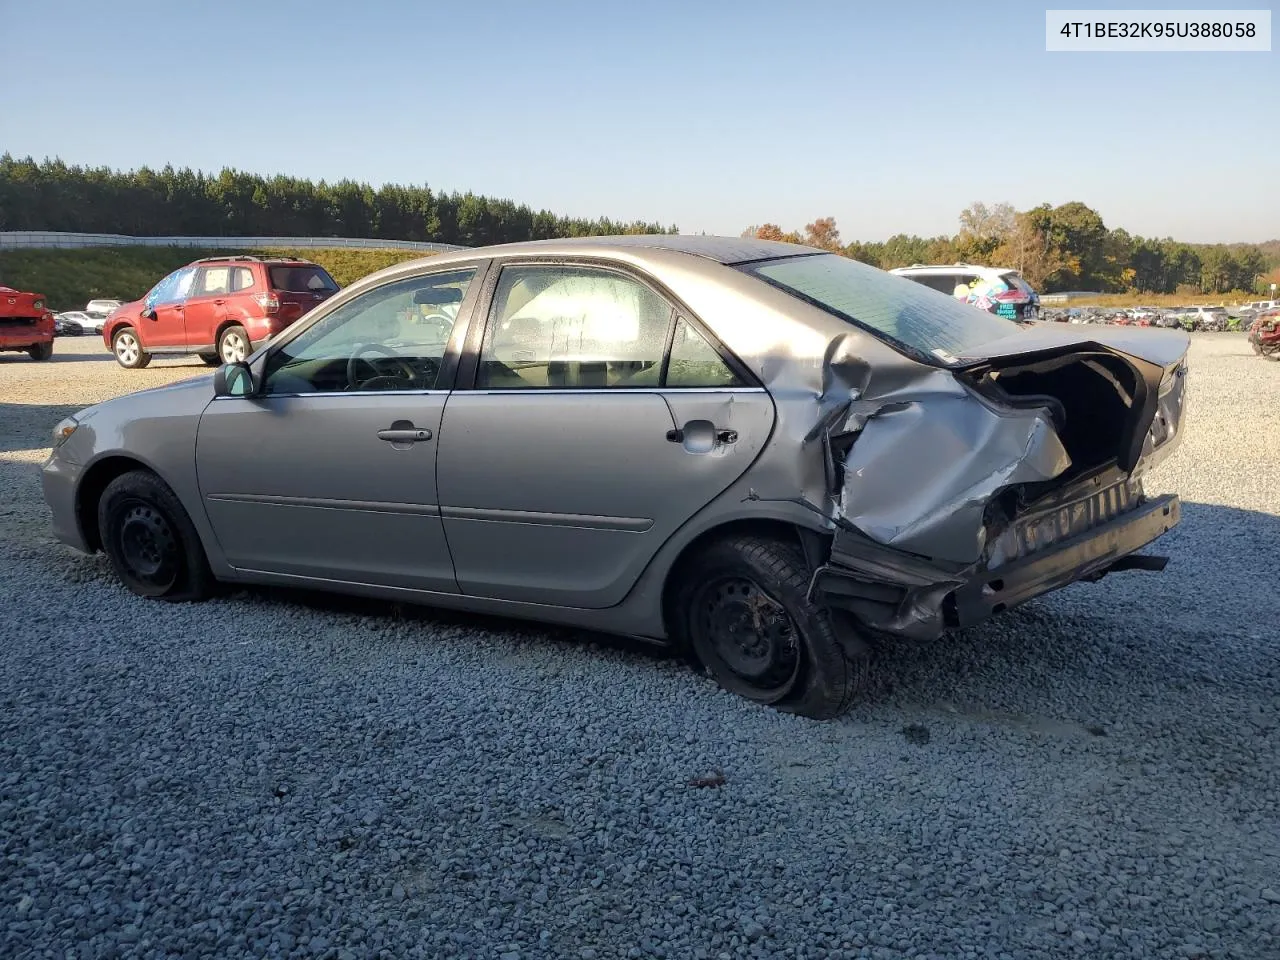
(41, 351)
(211, 359)
(743, 613)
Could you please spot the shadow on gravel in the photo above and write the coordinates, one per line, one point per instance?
(1212, 549)
(427, 616)
(29, 426)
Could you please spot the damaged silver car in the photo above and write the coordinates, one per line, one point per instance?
(765, 454)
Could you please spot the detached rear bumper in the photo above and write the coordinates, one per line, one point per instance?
(1083, 557)
(905, 596)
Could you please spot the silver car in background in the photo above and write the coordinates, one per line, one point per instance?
(764, 454)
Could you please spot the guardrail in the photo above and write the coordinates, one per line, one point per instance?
(46, 239)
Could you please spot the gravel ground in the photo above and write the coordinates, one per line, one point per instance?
(272, 774)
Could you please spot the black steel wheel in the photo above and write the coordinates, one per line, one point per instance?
(150, 540)
(750, 634)
(741, 609)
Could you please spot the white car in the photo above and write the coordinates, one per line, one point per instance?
(1015, 300)
(101, 309)
(77, 323)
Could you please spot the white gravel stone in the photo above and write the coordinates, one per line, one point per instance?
(279, 774)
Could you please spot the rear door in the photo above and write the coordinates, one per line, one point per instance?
(206, 306)
(571, 459)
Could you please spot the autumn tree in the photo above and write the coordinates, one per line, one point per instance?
(1028, 249)
(823, 234)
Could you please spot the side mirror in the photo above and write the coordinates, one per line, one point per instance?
(147, 313)
(233, 380)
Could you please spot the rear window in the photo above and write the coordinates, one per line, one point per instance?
(1015, 282)
(908, 315)
(302, 279)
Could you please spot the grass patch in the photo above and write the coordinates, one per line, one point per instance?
(70, 278)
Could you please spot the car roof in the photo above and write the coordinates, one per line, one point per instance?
(729, 251)
(247, 258)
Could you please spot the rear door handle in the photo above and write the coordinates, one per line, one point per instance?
(722, 436)
(404, 434)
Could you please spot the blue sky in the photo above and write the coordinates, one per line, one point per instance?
(889, 116)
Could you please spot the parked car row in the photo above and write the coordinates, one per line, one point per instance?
(1184, 318)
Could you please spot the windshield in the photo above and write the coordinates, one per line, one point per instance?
(302, 279)
(914, 318)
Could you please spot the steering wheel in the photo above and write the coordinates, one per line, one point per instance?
(406, 372)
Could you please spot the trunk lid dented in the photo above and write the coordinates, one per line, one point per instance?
(916, 464)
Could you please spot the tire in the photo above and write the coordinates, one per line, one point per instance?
(41, 351)
(128, 349)
(150, 540)
(742, 612)
(233, 344)
(211, 359)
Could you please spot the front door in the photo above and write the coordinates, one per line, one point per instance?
(166, 328)
(330, 473)
(575, 457)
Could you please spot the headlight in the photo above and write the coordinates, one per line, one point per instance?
(39, 305)
(63, 431)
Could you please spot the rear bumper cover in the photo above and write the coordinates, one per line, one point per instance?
(904, 596)
(1083, 557)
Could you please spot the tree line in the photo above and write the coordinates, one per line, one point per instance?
(1067, 247)
(50, 195)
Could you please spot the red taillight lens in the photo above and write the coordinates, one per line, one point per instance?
(1012, 296)
(269, 302)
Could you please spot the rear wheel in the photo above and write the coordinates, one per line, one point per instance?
(210, 359)
(150, 540)
(41, 351)
(743, 611)
(128, 349)
(233, 344)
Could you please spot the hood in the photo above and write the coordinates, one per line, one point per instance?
(178, 392)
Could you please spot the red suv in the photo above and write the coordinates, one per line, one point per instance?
(25, 323)
(221, 308)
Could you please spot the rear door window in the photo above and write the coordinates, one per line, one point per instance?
(212, 281)
(558, 327)
(241, 279)
(303, 278)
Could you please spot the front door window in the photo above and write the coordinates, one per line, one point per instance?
(391, 338)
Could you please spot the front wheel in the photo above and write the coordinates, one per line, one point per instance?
(150, 540)
(128, 349)
(743, 611)
(41, 351)
(233, 344)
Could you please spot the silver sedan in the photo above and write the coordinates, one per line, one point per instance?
(769, 456)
